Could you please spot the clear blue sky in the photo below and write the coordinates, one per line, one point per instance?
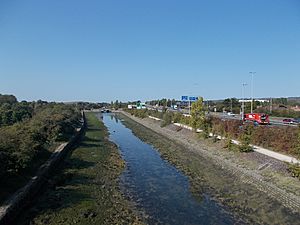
(96, 50)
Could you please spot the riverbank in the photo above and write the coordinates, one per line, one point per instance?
(86, 189)
(262, 193)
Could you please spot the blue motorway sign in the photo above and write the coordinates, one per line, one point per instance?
(189, 98)
(184, 98)
(192, 98)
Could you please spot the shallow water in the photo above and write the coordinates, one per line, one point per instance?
(158, 188)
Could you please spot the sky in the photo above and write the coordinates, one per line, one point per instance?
(96, 50)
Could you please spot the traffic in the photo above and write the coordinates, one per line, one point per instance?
(255, 118)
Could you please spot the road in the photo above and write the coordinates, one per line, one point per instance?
(274, 121)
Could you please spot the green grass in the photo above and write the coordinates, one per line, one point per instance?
(86, 190)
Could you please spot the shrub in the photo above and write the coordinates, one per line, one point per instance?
(294, 169)
(167, 119)
(228, 144)
(245, 139)
(21, 142)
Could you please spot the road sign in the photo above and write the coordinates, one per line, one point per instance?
(184, 98)
(192, 98)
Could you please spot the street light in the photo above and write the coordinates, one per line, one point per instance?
(243, 102)
(252, 75)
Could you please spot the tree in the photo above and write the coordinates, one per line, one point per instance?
(10, 99)
(167, 119)
(246, 139)
(197, 114)
(231, 104)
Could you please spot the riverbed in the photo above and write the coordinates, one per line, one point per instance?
(159, 190)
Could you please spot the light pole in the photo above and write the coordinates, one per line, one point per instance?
(243, 102)
(252, 75)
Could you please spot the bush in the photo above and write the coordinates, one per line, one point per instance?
(167, 119)
(228, 144)
(245, 139)
(295, 170)
(22, 141)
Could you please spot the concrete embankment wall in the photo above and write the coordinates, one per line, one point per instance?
(11, 208)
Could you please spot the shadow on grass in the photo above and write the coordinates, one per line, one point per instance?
(89, 145)
(76, 163)
(14, 182)
(94, 129)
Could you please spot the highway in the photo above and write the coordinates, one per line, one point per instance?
(274, 121)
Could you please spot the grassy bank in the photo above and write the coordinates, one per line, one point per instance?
(86, 190)
(243, 199)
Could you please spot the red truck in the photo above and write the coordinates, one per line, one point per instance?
(260, 118)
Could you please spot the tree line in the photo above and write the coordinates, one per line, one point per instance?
(29, 128)
(282, 139)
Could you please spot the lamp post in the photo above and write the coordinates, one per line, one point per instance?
(243, 102)
(252, 76)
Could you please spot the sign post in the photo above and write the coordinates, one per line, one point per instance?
(189, 99)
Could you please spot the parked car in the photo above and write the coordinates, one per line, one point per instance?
(290, 121)
(297, 120)
(230, 114)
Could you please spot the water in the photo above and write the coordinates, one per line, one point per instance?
(158, 188)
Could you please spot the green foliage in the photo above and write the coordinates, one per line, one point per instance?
(245, 139)
(116, 105)
(10, 99)
(206, 127)
(231, 104)
(185, 120)
(21, 142)
(141, 113)
(167, 119)
(197, 114)
(177, 117)
(229, 145)
(295, 170)
(11, 113)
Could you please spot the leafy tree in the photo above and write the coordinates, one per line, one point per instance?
(177, 117)
(21, 142)
(167, 119)
(116, 105)
(246, 139)
(197, 114)
(10, 99)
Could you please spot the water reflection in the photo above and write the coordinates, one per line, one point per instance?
(157, 187)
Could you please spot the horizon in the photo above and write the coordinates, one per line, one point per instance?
(134, 100)
(105, 51)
